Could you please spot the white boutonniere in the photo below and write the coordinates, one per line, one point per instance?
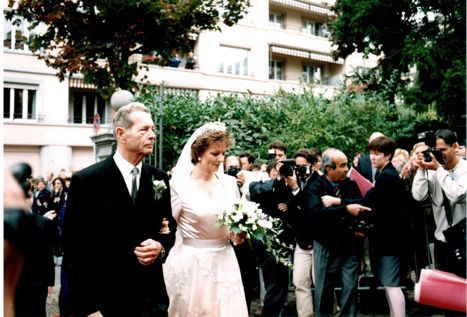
(158, 186)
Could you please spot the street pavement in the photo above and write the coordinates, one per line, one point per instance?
(372, 303)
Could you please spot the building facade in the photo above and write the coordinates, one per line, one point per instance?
(278, 45)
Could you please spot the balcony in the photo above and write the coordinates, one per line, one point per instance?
(312, 7)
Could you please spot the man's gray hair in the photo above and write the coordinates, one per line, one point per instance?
(327, 159)
(122, 117)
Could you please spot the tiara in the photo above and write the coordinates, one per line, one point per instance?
(211, 127)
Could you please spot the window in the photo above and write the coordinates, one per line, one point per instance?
(15, 36)
(276, 20)
(85, 105)
(315, 28)
(312, 74)
(233, 61)
(276, 70)
(19, 102)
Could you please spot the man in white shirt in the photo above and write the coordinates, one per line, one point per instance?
(431, 179)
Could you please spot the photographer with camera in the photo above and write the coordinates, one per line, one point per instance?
(338, 243)
(442, 177)
(299, 175)
(232, 167)
(275, 197)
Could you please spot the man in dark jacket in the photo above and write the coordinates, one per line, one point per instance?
(338, 243)
(275, 198)
(113, 238)
(303, 253)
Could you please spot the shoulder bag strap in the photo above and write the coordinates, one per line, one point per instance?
(447, 208)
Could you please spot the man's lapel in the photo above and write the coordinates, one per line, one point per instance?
(146, 190)
(120, 190)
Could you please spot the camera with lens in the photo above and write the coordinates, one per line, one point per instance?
(233, 171)
(287, 168)
(430, 140)
(303, 171)
(356, 225)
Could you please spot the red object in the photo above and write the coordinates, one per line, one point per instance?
(363, 184)
(96, 122)
(441, 289)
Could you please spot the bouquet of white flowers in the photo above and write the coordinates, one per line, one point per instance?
(248, 217)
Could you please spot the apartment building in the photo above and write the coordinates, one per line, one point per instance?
(280, 44)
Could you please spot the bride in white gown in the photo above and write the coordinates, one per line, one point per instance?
(201, 273)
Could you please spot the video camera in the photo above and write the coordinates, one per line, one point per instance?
(233, 171)
(430, 140)
(357, 225)
(288, 166)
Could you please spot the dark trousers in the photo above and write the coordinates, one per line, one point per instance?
(331, 266)
(276, 283)
(246, 258)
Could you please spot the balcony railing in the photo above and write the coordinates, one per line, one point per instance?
(303, 5)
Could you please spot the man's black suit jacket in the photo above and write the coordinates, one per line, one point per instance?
(331, 224)
(102, 227)
(299, 215)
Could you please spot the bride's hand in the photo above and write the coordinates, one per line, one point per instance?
(237, 238)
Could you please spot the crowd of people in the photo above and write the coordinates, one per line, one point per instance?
(138, 241)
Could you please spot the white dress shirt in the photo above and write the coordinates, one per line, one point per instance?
(125, 168)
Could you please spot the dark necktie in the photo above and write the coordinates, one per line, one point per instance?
(134, 186)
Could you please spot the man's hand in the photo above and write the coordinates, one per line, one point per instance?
(148, 251)
(433, 165)
(356, 209)
(282, 207)
(329, 201)
(240, 178)
(291, 181)
(51, 214)
(96, 314)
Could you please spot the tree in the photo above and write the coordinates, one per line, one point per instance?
(428, 36)
(299, 119)
(97, 37)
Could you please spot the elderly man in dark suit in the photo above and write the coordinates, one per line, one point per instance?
(118, 226)
(338, 243)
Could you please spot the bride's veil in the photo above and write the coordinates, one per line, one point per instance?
(184, 166)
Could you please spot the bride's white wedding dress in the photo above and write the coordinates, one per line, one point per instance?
(201, 273)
